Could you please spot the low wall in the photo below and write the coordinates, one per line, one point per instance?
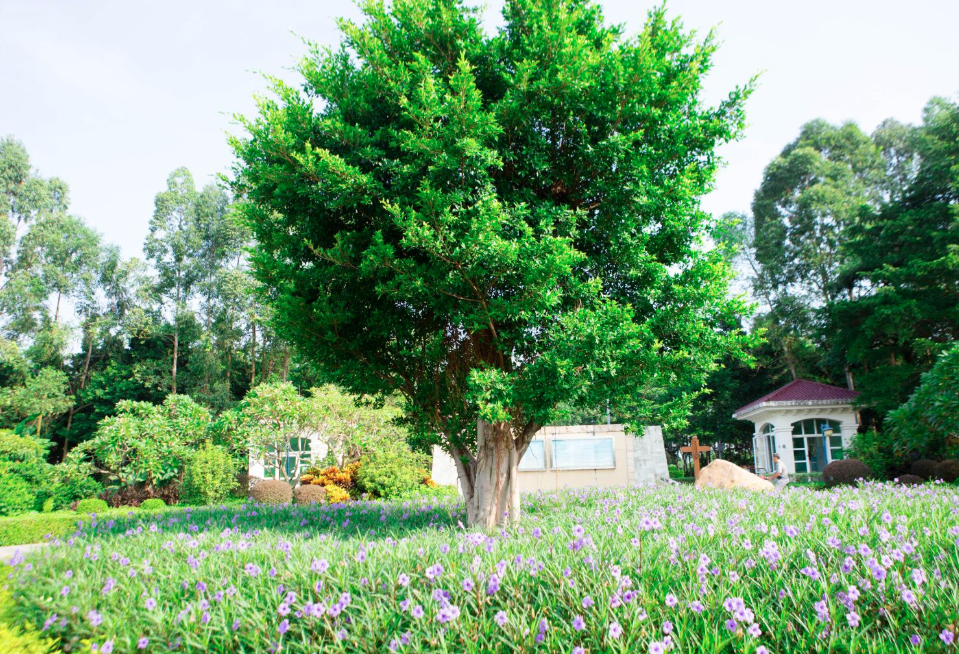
(578, 456)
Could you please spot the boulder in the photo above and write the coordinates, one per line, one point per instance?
(723, 474)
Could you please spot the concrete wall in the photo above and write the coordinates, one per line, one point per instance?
(638, 460)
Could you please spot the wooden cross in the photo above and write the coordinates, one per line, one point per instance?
(695, 449)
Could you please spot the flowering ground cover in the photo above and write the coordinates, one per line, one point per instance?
(871, 569)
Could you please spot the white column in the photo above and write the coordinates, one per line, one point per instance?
(784, 445)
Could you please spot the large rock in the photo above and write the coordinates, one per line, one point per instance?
(723, 474)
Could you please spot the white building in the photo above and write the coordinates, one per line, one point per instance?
(577, 457)
(790, 421)
(297, 457)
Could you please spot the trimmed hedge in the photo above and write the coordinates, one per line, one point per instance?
(34, 528)
(307, 494)
(948, 470)
(845, 472)
(910, 480)
(152, 504)
(925, 468)
(92, 505)
(272, 491)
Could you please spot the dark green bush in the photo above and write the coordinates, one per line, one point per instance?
(92, 505)
(272, 491)
(875, 450)
(391, 470)
(675, 472)
(948, 470)
(925, 468)
(910, 480)
(209, 475)
(309, 494)
(152, 504)
(845, 472)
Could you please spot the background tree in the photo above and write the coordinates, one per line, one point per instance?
(494, 225)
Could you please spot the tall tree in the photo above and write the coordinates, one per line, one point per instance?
(172, 246)
(906, 252)
(494, 225)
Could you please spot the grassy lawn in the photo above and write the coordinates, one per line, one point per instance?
(592, 570)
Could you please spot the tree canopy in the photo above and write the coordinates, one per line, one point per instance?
(494, 224)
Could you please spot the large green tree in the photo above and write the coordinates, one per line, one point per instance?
(494, 224)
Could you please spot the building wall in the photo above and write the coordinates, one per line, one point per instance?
(782, 419)
(318, 450)
(638, 460)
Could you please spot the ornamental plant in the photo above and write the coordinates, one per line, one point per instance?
(494, 224)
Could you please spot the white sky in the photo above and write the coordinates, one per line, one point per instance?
(112, 96)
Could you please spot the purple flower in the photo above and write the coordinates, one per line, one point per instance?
(657, 647)
(762, 650)
(501, 618)
(947, 637)
(236, 625)
(143, 642)
(579, 650)
(319, 565)
(853, 619)
(284, 627)
(94, 618)
(468, 585)
(64, 591)
(579, 623)
(696, 606)
(150, 604)
(251, 569)
(403, 580)
(417, 612)
(587, 602)
(107, 647)
(731, 625)
(915, 640)
(671, 600)
(667, 627)
(615, 630)
(754, 630)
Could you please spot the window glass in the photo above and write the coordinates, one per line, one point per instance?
(583, 453)
(799, 443)
(799, 455)
(797, 428)
(801, 466)
(535, 456)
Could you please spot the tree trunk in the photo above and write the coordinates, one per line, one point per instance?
(489, 479)
(176, 353)
(286, 363)
(253, 358)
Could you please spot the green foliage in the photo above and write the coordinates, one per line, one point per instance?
(73, 480)
(424, 492)
(927, 423)
(209, 476)
(144, 445)
(875, 450)
(16, 494)
(15, 637)
(495, 225)
(91, 505)
(675, 472)
(391, 470)
(37, 527)
(152, 504)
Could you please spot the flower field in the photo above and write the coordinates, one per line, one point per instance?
(871, 569)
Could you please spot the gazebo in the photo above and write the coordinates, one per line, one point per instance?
(795, 421)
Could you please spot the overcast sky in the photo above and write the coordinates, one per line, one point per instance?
(112, 96)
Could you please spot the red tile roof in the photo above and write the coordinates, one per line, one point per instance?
(803, 390)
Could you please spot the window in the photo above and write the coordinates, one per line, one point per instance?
(291, 463)
(583, 453)
(810, 450)
(534, 458)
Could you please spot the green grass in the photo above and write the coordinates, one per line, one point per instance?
(222, 578)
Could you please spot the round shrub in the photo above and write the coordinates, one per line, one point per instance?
(272, 491)
(308, 494)
(92, 505)
(391, 470)
(948, 470)
(152, 504)
(244, 483)
(925, 468)
(16, 495)
(209, 475)
(845, 472)
(336, 494)
(910, 480)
